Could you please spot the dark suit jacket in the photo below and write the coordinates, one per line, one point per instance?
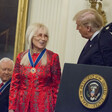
(99, 52)
(4, 100)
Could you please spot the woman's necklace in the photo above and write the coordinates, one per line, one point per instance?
(33, 69)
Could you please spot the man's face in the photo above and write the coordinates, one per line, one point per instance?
(6, 70)
(83, 30)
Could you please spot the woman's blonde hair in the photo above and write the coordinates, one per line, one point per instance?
(90, 17)
(31, 31)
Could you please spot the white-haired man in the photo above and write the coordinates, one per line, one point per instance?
(6, 70)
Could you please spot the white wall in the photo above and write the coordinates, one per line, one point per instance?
(58, 16)
(107, 7)
(74, 42)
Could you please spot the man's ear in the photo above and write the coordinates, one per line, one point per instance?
(88, 28)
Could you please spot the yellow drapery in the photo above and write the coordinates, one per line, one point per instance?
(20, 27)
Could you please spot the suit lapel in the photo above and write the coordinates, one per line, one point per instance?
(88, 46)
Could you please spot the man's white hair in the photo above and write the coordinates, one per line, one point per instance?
(6, 59)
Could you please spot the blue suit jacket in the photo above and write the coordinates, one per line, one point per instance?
(4, 100)
(99, 52)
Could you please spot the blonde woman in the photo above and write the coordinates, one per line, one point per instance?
(36, 75)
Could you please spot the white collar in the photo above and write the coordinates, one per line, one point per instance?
(94, 35)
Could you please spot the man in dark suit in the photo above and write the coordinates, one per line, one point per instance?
(6, 69)
(98, 49)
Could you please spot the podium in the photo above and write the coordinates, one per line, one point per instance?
(74, 78)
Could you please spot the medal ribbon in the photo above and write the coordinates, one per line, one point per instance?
(4, 86)
(38, 58)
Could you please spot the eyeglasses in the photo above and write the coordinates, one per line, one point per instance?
(40, 36)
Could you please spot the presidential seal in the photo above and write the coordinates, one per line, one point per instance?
(93, 91)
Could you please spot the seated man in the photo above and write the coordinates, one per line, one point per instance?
(6, 70)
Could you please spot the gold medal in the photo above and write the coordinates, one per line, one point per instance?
(33, 70)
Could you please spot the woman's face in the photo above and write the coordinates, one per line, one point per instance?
(39, 40)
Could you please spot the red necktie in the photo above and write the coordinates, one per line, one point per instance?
(1, 84)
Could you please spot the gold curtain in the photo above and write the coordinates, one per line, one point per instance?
(20, 27)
